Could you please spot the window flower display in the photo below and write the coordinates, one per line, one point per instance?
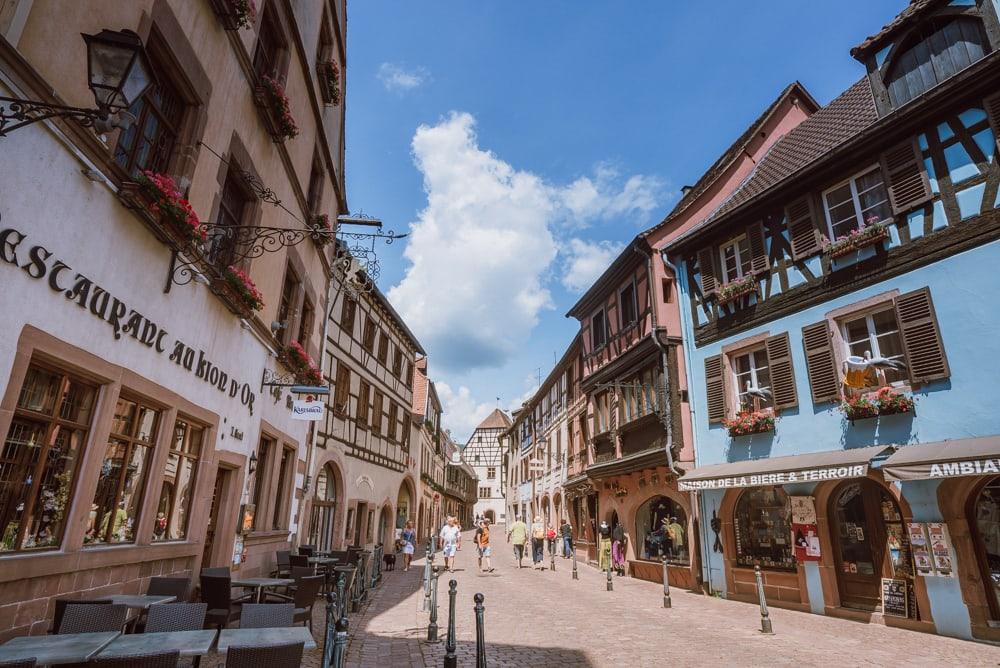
(868, 233)
(164, 200)
(329, 79)
(750, 422)
(280, 109)
(295, 357)
(245, 287)
(735, 289)
(884, 401)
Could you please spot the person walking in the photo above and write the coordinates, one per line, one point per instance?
(566, 531)
(475, 539)
(449, 543)
(537, 543)
(409, 538)
(550, 538)
(518, 535)
(483, 543)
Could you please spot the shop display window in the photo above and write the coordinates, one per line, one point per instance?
(763, 529)
(987, 522)
(39, 459)
(121, 484)
(172, 511)
(661, 529)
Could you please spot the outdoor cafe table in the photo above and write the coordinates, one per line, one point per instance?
(262, 637)
(53, 650)
(260, 584)
(323, 561)
(140, 601)
(188, 643)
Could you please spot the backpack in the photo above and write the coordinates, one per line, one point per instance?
(538, 533)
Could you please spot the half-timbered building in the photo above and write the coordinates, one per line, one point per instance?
(484, 453)
(840, 340)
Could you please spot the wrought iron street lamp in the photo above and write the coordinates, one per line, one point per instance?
(117, 74)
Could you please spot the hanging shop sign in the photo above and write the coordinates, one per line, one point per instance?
(895, 598)
(40, 264)
(307, 409)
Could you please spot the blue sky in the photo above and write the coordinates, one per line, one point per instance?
(523, 142)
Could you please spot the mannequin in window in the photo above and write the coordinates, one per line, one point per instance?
(604, 531)
(618, 549)
(675, 532)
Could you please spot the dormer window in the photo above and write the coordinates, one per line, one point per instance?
(931, 54)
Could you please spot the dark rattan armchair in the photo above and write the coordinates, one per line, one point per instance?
(267, 615)
(152, 660)
(216, 591)
(304, 597)
(177, 587)
(166, 617)
(93, 618)
(272, 656)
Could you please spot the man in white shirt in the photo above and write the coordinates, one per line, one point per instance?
(450, 534)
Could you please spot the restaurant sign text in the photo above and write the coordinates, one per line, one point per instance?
(776, 478)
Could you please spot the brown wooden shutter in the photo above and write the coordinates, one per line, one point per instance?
(758, 249)
(779, 362)
(823, 377)
(715, 388)
(802, 228)
(992, 105)
(706, 265)
(918, 327)
(905, 176)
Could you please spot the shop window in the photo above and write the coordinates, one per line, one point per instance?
(860, 199)
(661, 530)
(306, 323)
(735, 258)
(364, 394)
(172, 511)
(368, 338)
(114, 515)
(286, 472)
(234, 203)
(377, 414)
(287, 303)
(39, 458)
(383, 349)
(342, 390)
(763, 529)
(986, 514)
(324, 510)
(627, 304)
(752, 380)
(347, 313)
(269, 54)
(264, 449)
(874, 335)
(598, 331)
(148, 143)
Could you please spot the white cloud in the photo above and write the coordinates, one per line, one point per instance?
(462, 413)
(588, 199)
(397, 79)
(480, 252)
(585, 261)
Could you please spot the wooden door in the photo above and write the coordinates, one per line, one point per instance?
(218, 498)
(859, 540)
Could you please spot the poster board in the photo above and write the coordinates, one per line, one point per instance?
(895, 598)
(941, 554)
(920, 548)
(247, 512)
(803, 509)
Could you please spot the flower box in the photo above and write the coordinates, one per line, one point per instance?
(238, 291)
(322, 231)
(885, 401)
(158, 197)
(275, 109)
(750, 422)
(741, 287)
(867, 234)
(328, 73)
(235, 14)
(295, 357)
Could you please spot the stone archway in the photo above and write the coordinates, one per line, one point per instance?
(491, 516)
(405, 505)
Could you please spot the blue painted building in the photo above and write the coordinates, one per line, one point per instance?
(842, 341)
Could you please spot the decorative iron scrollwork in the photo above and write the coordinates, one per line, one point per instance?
(19, 113)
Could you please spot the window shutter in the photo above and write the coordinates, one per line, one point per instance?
(802, 228)
(758, 249)
(706, 265)
(992, 105)
(779, 361)
(921, 336)
(823, 378)
(715, 388)
(905, 176)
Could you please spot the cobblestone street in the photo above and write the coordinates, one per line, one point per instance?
(546, 619)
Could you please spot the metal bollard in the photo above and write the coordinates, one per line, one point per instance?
(765, 619)
(429, 558)
(611, 584)
(341, 594)
(329, 633)
(340, 644)
(432, 628)
(666, 583)
(573, 552)
(480, 632)
(450, 658)
(552, 559)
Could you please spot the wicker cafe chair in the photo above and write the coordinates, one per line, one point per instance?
(217, 571)
(299, 560)
(306, 591)
(271, 656)
(308, 550)
(151, 660)
(281, 569)
(267, 615)
(93, 618)
(299, 572)
(18, 663)
(216, 591)
(166, 617)
(60, 609)
(177, 587)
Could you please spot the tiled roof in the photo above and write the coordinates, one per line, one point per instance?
(913, 12)
(847, 115)
(495, 420)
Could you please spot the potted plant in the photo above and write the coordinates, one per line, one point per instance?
(329, 80)
(295, 357)
(235, 14)
(159, 195)
(321, 228)
(246, 292)
(868, 233)
(884, 401)
(276, 109)
(748, 421)
(730, 292)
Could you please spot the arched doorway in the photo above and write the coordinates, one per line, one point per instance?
(324, 510)
(866, 528)
(491, 516)
(984, 515)
(661, 529)
(403, 501)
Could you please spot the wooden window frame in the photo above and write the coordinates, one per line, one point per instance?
(362, 413)
(735, 243)
(378, 412)
(368, 334)
(855, 198)
(635, 305)
(342, 390)
(181, 456)
(270, 27)
(383, 348)
(737, 391)
(867, 313)
(285, 482)
(604, 330)
(397, 361)
(288, 303)
(393, 421)
(317, 178)
(348, 315)
(306, 322)
(228, 216)
(262, 475)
